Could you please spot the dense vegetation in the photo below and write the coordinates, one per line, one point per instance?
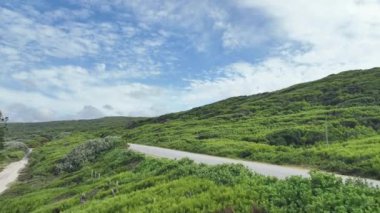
(38, 134)
(284, 127)
(85, 166)
(46, 131)
(118, 180)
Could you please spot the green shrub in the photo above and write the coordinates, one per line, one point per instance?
(373, 122)
(86, 152)
(349, 123)
(225, 174)
(206, 135)
(297, 137)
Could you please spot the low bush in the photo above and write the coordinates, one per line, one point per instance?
(206, 135)
(86, 152)
(131, 182)
(296, 137)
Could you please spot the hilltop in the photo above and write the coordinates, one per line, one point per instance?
(331, 124)
(48, 130)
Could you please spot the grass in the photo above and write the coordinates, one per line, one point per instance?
(119, 180)
(282, 127)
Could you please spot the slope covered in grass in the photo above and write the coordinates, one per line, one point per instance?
(284, 127)
(37, 134)
(46, 131)
(85, 166)
(109, 178)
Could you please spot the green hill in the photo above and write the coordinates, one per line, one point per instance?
(288, 126)
(40, 133)
(85, 166)
(48, 130)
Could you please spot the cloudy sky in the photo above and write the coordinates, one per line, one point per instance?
(89, 58)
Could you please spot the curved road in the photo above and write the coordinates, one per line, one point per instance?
(280, 172)
(11, 172)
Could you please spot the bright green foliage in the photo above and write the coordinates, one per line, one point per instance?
(283, 127)
(130, 182)
(46, 131)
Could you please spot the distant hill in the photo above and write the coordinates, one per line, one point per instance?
(318, 124)
(106, 125)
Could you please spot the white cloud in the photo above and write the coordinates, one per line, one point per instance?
(325, 37)
(103, 59)
(24, 113)
(66, 92)
(31, 44)
(200, 20)
(29, 38)
(338, 32)
(245, 32)
(26, 34)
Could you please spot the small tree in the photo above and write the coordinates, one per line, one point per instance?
(3, 125)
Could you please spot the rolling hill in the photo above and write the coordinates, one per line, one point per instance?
(86, 166)
(331, 124)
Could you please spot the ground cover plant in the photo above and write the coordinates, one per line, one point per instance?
(331, 124)
(85, 166)
(119, 180)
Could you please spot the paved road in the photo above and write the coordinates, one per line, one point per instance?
(11, 172)
(280, 172)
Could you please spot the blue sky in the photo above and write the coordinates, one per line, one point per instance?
(85, 59)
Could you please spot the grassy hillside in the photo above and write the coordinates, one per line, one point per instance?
(284, 127)
(85, 166)
(82, 173)
(37, 134)
(46, 131)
